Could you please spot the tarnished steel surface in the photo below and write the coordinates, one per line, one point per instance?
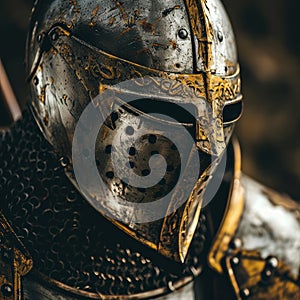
(175, 52)
(214, 42)
(63, 89)
(164, 35)
(256, 278)
(267, 222)
(171, 54)
(147, 32)
(76, 255)
(261, 247)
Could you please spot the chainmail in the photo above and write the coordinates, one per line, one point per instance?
(68, 240)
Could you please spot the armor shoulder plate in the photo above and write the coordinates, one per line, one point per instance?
(254, 277)
(270, 224)
(263, 258)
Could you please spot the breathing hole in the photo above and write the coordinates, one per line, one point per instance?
(145, 172)
(152, 139)
(110, 175)
(108, 149)
(130, 164)
(132, 151)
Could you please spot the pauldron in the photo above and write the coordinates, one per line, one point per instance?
(260, 261)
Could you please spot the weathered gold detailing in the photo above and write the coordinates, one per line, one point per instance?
(190, 220)
(143, 295)
(179, 227)
(233, 214)
(251, 276)
(191, 214)
(99, 71)
(255, 278)
(209, 93)
(203, 31)
(15, 262)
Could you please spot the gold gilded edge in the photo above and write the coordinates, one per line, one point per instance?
(134, 234)
(177, 285)
(21, 262)
(184, 245)
(253, 283)
(22, 258)
(233, 214)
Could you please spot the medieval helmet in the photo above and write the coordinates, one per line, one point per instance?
(141, 98)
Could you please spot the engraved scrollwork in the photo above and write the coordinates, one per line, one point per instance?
(109, 70)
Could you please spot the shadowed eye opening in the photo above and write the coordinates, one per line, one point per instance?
(232, 112)
(182, 113)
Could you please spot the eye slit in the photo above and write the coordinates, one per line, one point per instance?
(232, 112)
(183, 113)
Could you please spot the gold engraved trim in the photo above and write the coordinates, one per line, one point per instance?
(16, 262)
(174, 240)
(252, 276)
(93, 65)
(202, 29)
(143, 295)
(208, 92)
(98, 70)
(233, 214)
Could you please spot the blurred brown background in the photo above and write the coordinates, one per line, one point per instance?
(268, 41)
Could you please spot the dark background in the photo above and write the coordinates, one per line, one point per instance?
(268, 41)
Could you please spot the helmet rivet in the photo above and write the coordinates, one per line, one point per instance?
(54, 36)
(235, 260)
(272, 262)
(245, 293)
(39, 38)
(266, 275)
(64, 161)
(220, 36)
(182, 33)
(236, 243)
(35, 80)
(6, 290)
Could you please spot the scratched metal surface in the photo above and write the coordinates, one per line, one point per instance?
(269, 48)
